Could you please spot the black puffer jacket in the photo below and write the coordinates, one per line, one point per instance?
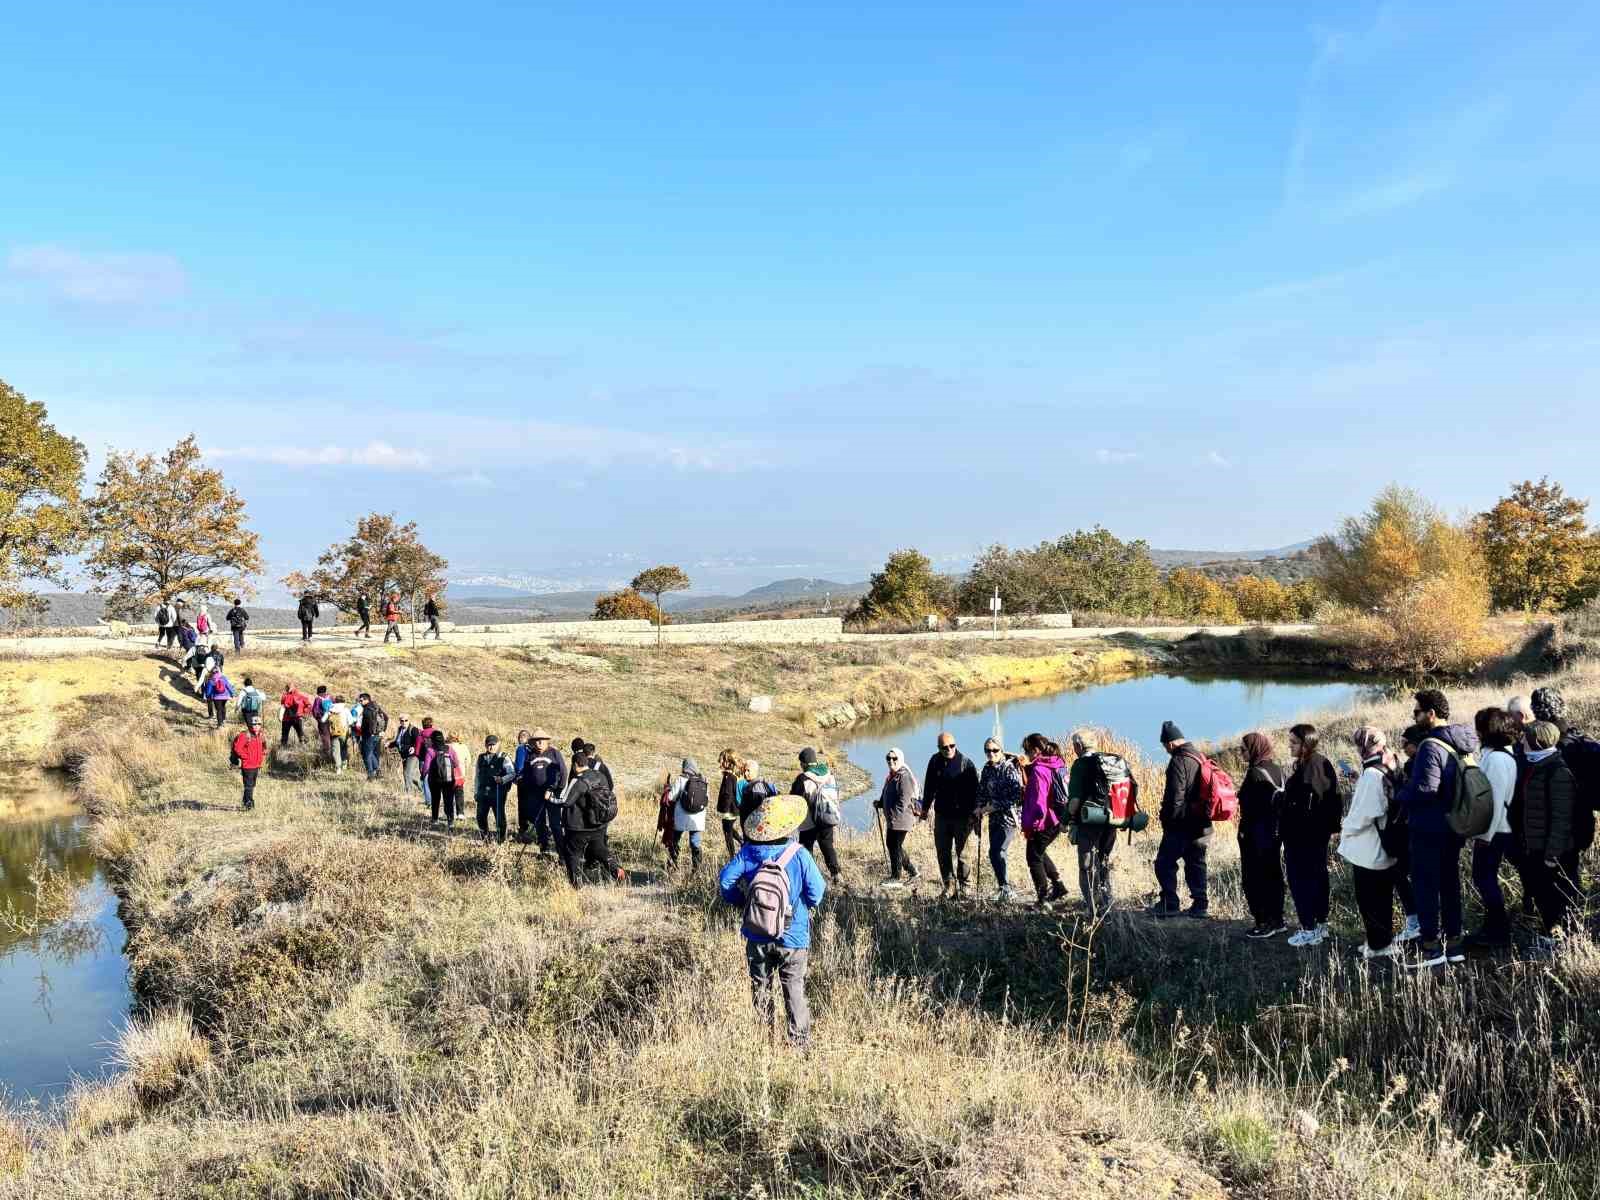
(1181, 808)
(728, 795)
(1311, 808)
(1545, 814)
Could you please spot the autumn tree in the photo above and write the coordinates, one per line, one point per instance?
(1262, 600)
(1083, 571)
(1537, 547)
(656, 582)
(380, 558)
(627, 605)
(41, 503)
(907, 590)
(1189, 595)
(1398, 542)
(162, 526)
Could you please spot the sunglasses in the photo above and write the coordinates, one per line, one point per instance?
(946, 749)
(891, 758)
(991, 751)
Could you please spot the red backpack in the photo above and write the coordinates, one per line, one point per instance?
(1217, 792)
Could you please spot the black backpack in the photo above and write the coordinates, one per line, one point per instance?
(163, 615)
(601, 805)
(380, 719)
(1395, 833)
(694, 796)
(441, 771)
(1057, 796)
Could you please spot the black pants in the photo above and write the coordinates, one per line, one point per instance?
(1040, 868)
(305, 630)
(950, 845)
(586, 848)
(731, 839)
(1305, 862)
(1436, 874)
(1486, 860)
(1375, 901)
(219, 710)
(292, 725)
(1555, 889)
(1261, 873)
(394, 629)
(898, 858)
(1176, 845)
(167, 634)
(822, 835)
(249, 774)
(498, 807)
(433, 628)
(449, 795)
(1095, 846)
(365, 628)
(238, 638)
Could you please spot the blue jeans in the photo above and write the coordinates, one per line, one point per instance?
(1436, 873)
(1000, 835)
(369, 753)
(1179, 844)
(1486, 860)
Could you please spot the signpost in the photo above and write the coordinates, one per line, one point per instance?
(994, 610)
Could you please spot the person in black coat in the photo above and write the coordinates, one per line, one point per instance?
(728, 802)
(1308, 815)
(364, 615)
(950, 794)
(1260, 846)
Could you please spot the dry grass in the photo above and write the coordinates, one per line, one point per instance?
(388, 1012)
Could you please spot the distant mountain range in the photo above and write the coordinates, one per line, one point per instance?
(1189, 558)
(780, 593)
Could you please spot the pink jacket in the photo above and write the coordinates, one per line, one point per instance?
(1036, 814)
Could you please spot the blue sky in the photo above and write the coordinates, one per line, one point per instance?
(785, 287)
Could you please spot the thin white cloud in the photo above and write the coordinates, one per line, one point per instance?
(1397, 191)
(102, 280)
(1109, 457)
(1215, 458)
(380, 455)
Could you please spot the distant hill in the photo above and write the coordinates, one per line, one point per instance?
(1167, 559)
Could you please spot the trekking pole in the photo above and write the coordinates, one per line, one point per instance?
(977, 830)
(883, 838)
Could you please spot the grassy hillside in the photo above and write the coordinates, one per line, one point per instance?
(342, 1002)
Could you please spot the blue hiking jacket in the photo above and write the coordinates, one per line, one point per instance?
(1431, 787)
(805, 887)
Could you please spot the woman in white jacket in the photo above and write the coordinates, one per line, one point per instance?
(1361, 845)
(1497, 733)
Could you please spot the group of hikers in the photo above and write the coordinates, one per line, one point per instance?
(174, 626)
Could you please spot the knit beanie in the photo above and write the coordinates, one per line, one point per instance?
(1170, 732)
(808, 756)
(1548, 704)
(1542, 735)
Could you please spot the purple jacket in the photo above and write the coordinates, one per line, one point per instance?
(1036, 814)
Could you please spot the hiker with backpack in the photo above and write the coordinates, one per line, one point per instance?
(1185, 827)
(248, 752)
(430, 609)
(363, 617)
(1498, 732)
(1044, 808)
(1000, 799)
(166, 624)
(202, 622)
(950, 796)
(1260, 846)
(338, 733)
(237, 618)
(540, 782)
(1363, 843)
(590, 805)
(251, 700)
(391, 617)
(775, 884)
(374, 723)
(1309, 813)
(688, 796)
(320, 704)
(728, 790)
(309, 613)
(295, 705)
(901, 808)
(420, 745)
(217, 692)
(1553, 828)
(492, 776)
(1428, 797)
(1580, 752)
(817, 784)
(1102, 798)
(442, 765)
(404, 743)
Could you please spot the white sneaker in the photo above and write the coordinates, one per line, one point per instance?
(1410, 931)
(1392, 950)
(893, 883)
(1316, 937)
(1299, 936)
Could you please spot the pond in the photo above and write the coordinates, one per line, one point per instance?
(1204, 707)
(64, 993)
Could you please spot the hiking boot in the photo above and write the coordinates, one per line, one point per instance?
(946, 890)
(1042, 905)
(1410, 931)
(1197, 912)
(1267, 930)
(1161, 910)
(1429, 956)
(1484, 940)
(1058, 891)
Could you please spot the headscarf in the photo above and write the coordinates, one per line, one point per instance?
(1371, 742)
(1257, 748)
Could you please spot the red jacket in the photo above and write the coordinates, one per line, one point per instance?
(251, 751)
(295, 703)
(391, 612)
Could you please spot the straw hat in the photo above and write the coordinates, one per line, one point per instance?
(539, 735)
(776, 819)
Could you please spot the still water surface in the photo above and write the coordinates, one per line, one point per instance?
(1204, 707)
(64, 993)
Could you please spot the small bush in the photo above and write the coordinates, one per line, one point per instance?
(1246, 1143)
(160, 1054)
